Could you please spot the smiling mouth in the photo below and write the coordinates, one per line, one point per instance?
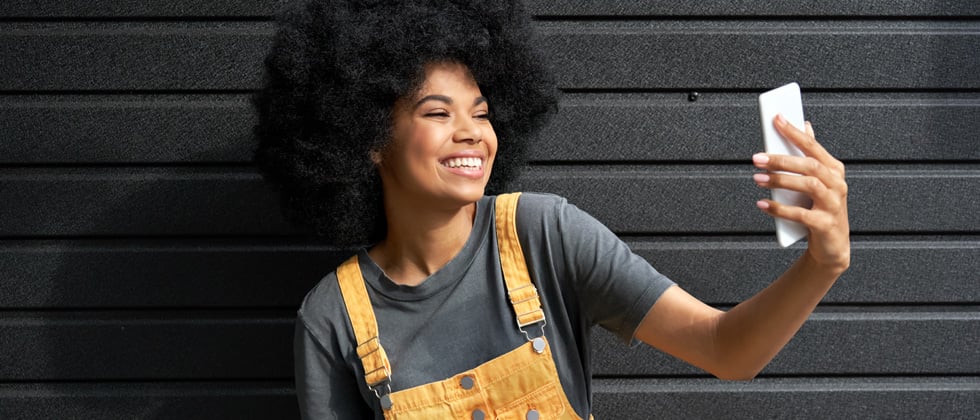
(463, 163)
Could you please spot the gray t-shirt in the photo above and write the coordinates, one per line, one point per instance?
(459, 317)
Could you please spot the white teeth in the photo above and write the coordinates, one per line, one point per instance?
(467, 162)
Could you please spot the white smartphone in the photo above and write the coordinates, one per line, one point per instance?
(785, 100)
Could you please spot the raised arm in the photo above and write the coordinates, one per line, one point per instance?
(738, 343)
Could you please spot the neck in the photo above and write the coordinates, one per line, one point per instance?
(421, 239)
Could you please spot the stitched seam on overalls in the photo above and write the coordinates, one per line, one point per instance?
(550, 387)
(402, 405)
(518, 367)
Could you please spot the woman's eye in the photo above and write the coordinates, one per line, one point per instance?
(443, 114)
(483, 116)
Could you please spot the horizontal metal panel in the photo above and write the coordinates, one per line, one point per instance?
(721, 126)
(221, 345)
(588, 128)
(631, 200)
(836, 343)
(200, 273)
(222, 9)
(586, 55)
(145, 346)
(656, 9)
(160, 274)
(149, 400)
(804, 398)
(126, 129)
(756, 55)
(790, 398)
(121, 201)
(132, 56)
(685, 199)
(553, 8)
(731, 270)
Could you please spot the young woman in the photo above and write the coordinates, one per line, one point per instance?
(382, 124)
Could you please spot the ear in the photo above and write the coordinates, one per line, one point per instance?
(376, 157)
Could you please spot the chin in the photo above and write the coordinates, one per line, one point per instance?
(469, 195)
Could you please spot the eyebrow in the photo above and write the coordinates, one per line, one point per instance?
(447, 100)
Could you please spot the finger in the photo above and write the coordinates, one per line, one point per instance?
(808, 166)
(805, 140)
(816, 221)
(808, 143)
(822, 196)
(782, 211)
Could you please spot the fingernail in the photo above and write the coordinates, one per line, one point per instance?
(761, 178)
(762, 204)
(780, 120)
(760, 158)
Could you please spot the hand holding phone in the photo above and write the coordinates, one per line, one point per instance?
(785, 100)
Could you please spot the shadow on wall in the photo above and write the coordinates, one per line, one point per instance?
(173, 298)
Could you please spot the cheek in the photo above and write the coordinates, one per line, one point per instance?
(424, 141)
(490, 137)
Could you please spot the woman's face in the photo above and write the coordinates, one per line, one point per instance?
(442, 145)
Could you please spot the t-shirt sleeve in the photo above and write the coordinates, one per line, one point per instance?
(616, 287)
(325, 386)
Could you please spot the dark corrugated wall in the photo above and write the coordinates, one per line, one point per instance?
(145, 271)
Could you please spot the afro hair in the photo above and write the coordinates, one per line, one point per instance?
(334, 73)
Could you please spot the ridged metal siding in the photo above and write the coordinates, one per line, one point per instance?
(145, 271)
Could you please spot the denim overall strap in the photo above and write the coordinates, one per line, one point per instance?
(521, 292)
(377, 368)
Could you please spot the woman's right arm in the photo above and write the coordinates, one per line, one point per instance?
(325, 386)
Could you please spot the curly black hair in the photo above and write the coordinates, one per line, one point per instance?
(335, 71)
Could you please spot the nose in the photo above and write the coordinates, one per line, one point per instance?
(467, 130)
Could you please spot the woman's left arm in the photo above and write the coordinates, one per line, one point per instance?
(738, 343)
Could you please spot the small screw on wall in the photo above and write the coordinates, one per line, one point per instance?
(693, 96)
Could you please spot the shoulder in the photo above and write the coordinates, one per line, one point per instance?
(325, 293)
(552, 212)
(551, 216)
(539, 219)
(539, 216)
(535, 208)
(323, 312)
(537, 202)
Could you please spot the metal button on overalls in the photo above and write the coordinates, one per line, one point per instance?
(478, 414)
(538, 344)
(532, 415)
(466, 383)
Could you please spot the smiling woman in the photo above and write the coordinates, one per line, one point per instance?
(379, 124)
(434, 170)
(335, 71)
(443, 141)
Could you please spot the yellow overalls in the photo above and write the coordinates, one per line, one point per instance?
(521, 384)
